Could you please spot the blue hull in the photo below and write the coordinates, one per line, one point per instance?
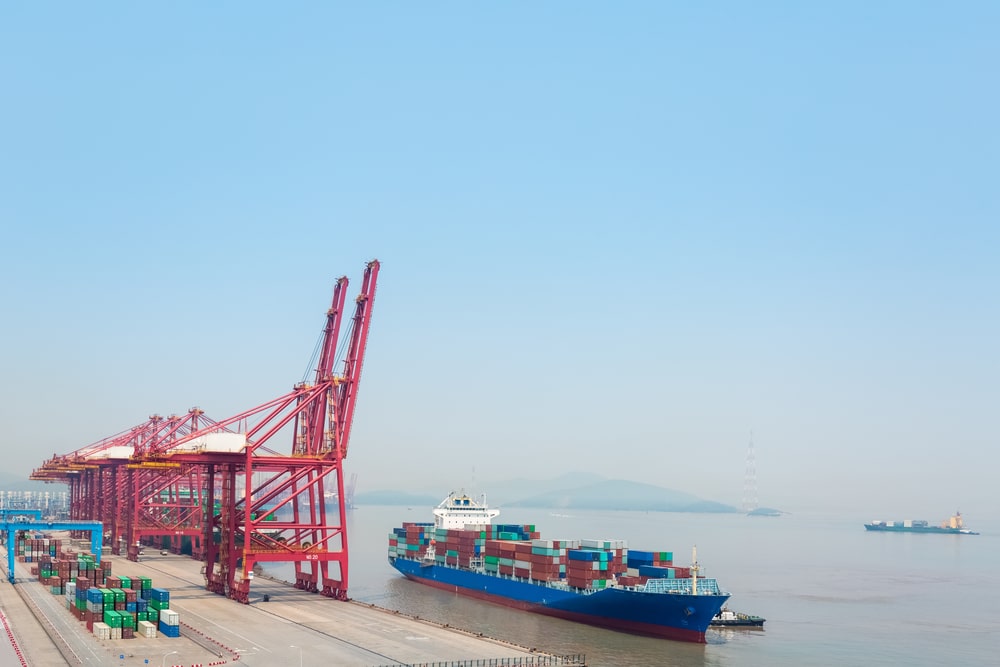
(918, 529)
(678, 616)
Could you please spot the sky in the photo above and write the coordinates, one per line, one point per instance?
(615, 238)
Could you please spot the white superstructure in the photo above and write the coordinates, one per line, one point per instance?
(459, 510)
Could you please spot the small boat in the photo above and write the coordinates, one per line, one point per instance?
(728, 618)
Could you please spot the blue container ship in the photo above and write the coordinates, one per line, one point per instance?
(598, 582)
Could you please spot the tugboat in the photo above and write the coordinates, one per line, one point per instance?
(730, 619)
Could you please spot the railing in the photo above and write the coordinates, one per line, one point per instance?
(705, 586)
(578, 660)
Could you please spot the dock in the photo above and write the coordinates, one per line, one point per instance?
(292, 627)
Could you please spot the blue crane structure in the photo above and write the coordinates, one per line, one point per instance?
(96, 529)
(6, 514)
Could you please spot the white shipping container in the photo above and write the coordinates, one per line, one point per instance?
(568, 544)
(170, 617)
(604, 545)
(147, 629)
(102, 630)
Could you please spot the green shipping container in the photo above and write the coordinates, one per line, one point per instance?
(113, 619)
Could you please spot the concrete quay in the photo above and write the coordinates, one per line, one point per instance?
(293, 627)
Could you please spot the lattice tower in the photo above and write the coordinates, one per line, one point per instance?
(750, 480)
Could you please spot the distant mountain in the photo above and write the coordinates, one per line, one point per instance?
(511, 491)
(396, 498)
(617, 494)
(567, 492)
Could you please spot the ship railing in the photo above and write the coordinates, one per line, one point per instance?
(705, 586)
(579, 660)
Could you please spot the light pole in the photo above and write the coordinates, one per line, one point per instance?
(164, 660)
(300, 653)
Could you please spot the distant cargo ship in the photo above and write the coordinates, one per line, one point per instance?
(598, 582)
(953, 526)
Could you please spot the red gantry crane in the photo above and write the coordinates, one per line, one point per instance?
(274, 506)
(166, 499)
(96, 477)
(228, 485)
(134, 501)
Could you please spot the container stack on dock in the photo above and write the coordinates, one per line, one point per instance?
(519, 551)
(112, 607)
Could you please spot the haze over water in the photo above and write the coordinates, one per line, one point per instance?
(832, 593)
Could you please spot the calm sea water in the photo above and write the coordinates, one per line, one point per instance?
(832, 593)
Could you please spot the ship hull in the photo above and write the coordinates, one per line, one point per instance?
(675, 616)
(918, 529)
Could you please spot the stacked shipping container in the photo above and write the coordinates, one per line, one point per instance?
(112, 607)
(518, 550)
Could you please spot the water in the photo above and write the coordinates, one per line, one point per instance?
(832, 593)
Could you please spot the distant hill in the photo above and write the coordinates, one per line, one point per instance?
(567, 492)
(511, 491)
(499, 493)
(617, 494)
(396, 498)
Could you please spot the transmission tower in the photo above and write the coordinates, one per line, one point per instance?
(750, 480)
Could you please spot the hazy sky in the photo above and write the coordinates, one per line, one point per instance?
(615, 237)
